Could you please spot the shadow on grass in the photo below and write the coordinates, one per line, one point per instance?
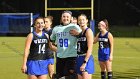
(131, 74)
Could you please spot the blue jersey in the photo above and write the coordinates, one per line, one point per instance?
(39, 47)
(103, 41)
(66, 43)
(82, 43)
(104, 47)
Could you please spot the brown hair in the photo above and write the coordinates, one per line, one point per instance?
(50, 18)
(74, 18)
(106, 22)
(85, 17)
(82, 15)
(36, 19)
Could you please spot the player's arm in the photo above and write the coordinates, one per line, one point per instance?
(89, 35)
(52, 38)
(26, 51)
(110, 36)
(51, 46)
(76, 31)
(96, 39)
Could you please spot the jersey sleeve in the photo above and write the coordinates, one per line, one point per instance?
(77, 27)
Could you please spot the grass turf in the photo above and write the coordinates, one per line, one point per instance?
(126, 63)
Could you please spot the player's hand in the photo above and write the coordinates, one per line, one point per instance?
(24, 69)
(110, 58)
(74, 32)
(82, 68)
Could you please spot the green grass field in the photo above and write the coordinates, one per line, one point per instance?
(126, 63)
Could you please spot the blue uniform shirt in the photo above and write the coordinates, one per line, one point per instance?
(104, 47)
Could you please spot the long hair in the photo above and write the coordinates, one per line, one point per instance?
(107, 24)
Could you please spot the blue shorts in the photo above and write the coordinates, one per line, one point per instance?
(51, 61)
(89, 66)
(37, 67)
(103, 54)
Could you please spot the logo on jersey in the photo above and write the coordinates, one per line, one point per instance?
(103, 39)
(82, 39)
(62, 34)
(38, 41)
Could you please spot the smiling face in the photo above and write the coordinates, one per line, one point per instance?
(82, 20)
(66, 18)
(39, 24)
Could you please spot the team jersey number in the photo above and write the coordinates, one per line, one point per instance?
(41, 49)
(63, 42)
(101, 45)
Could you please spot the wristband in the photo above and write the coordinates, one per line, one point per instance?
(85, 62)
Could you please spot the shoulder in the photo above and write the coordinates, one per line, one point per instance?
(30, 36)
(89, 32)
(55, 27)
(109, 34)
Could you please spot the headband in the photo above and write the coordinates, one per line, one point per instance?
(103, 23)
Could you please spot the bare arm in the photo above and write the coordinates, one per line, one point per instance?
(51, 46)
(110, 36)
(96, 39)
(89, 35)
(26, 51)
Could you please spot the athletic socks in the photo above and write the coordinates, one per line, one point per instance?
(103, 75)
(110, 75)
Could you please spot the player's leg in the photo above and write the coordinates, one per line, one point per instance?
(89, 69)
(85, 75)
(79, 76)
(36, 68)
(42, 77)
(32, 77)
(60, 64)
(51, 68)
(109, 69)
(70, 67)
(103, 69)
